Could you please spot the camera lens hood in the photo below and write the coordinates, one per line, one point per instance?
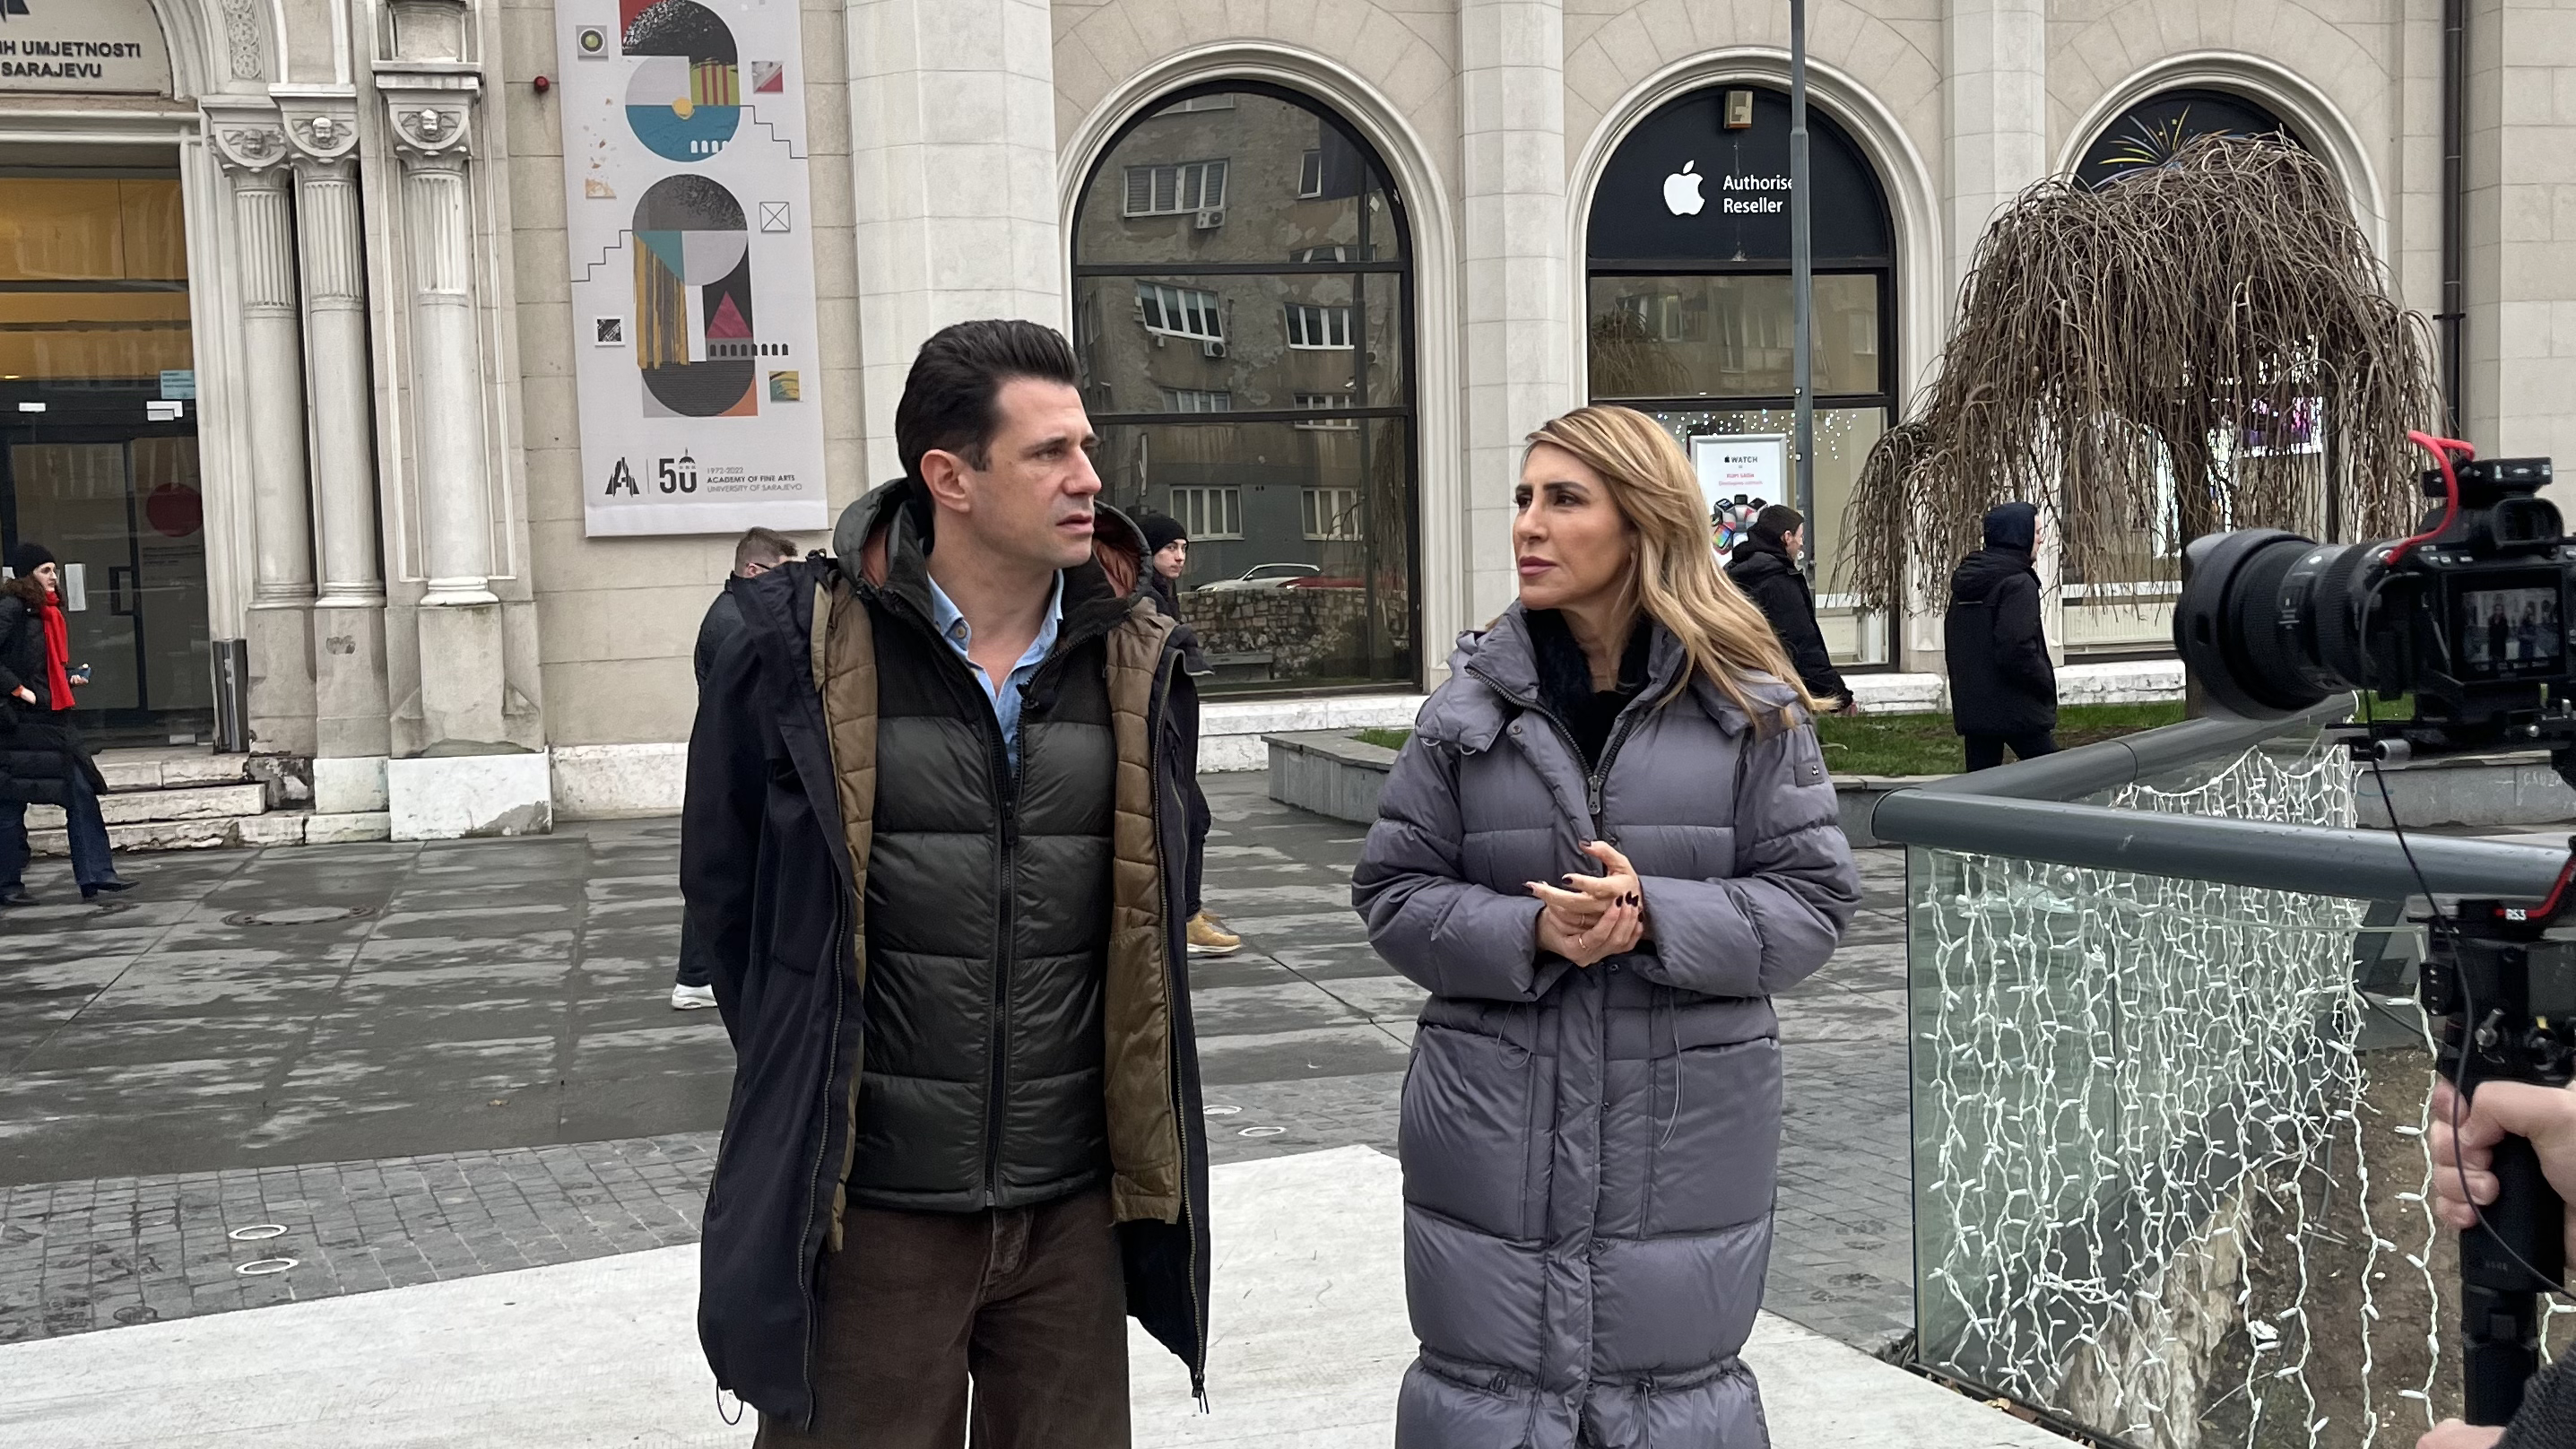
(2227, 628)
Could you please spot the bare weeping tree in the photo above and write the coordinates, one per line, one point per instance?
(2201, 320)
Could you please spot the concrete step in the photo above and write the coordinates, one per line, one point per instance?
(138, 807)
(167, 768)
(278, 827)
(185, 802)
(149, 835)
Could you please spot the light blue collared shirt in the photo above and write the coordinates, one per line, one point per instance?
(952, 626)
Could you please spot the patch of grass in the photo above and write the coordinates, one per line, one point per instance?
(1384, 739)
(1928, 744)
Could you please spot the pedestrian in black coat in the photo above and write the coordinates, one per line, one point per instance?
(1765, 567)
(36, 754)
(2003, 690)
(42, 761)
(756, 553)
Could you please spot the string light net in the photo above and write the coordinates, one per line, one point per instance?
(2169, 1162)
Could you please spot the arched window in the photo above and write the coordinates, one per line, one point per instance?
(2128, 608)
(1689, 311)
(1243, 307)
(2150, 132)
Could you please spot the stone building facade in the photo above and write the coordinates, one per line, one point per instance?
(296, 352)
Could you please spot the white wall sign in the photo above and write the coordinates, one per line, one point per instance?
(1756, 195)
(686, 202)
(1739, 474)
(111, 47)
(1751, 463)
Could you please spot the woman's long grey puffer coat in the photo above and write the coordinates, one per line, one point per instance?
(1589, 1154)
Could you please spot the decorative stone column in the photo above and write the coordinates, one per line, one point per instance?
(251, 143)
(1512, 247)
(460, 617)
(467, 777)
(351, 706)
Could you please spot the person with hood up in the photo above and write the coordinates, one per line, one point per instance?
(2003, 690)
(1609, 840)
(1765, 567)
(1167, 548)
(932, 831)
(41, 759)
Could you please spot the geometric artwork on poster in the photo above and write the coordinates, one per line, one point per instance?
(684, 162)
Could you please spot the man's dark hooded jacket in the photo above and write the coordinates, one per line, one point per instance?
(1763, 569)
(817, 788)
(2001, 682)
(723, 620)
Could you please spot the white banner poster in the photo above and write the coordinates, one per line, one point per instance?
(1739, 474)
(686, 205)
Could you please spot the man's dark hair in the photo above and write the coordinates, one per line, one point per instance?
(1776, 520)
(948, 400)
(762, 545)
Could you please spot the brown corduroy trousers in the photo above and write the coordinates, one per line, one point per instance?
(1027, 1304)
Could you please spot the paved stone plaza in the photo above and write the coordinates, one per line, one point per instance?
(427, 1062)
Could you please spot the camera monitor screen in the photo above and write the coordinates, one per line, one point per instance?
(2511, 632)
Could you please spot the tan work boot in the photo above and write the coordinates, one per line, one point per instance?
(1207, 940)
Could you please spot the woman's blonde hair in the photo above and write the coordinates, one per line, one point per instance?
(1675, 577)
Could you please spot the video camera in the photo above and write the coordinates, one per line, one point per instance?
(2471, 614)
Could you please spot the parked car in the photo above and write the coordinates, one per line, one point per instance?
(1319, 581)
(1263, 576)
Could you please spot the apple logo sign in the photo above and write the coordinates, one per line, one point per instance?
(1681, 191)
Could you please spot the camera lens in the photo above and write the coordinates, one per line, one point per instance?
(2270, 622)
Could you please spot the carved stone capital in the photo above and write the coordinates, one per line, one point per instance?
(246, 138)
(321, 130)
(430, 125)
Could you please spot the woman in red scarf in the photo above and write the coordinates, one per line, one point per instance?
(41, 761)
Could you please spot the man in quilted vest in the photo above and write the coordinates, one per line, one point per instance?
(933, 840)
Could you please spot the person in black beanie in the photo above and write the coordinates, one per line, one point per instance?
(1765, 567)
(2003, 690)
(1168, 543)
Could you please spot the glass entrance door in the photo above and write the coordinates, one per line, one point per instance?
(122, 517)
(98, 435)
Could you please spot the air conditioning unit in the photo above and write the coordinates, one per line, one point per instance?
(1212, 349)
(1209, 219)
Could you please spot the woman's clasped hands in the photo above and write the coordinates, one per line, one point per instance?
(1601, 916)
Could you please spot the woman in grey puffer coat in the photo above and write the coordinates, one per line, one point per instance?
(1591, 1121)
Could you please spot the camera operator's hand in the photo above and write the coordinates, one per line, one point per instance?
(2452, 1434)
(2544, 1115)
